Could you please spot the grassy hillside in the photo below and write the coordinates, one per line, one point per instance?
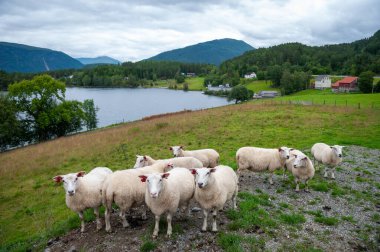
(32, 208)
(195, 84)
(258, 85)
(329, 98)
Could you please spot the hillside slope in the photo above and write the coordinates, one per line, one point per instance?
(98, 60)
(210, 52)
(346, 59)
(30, 59)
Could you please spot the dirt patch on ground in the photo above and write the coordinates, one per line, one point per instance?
(340, 215)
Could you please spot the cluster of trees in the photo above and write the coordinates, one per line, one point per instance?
(130, 74)
(36, 110)
(366, 83)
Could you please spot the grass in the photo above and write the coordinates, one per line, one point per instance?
(293, 219)
(194, 83)
(329, 221)
(258, 85)
(326, 97)
(32, 207)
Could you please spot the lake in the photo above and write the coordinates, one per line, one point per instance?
(129, 104)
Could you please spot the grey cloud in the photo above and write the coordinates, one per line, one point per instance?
(134, 30)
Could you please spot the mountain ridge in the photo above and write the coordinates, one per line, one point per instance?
(210, 52)
(98, 60)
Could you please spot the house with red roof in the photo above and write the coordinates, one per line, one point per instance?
(347, 84)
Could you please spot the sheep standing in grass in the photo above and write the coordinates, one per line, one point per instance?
(261, 159)
(84, 191)
(301, 167)
(213, 188)
(126, 191)
(208, 157)
(185, 162)
(330, 156)
(166, 192)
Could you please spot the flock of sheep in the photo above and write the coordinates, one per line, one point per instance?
(168, 185)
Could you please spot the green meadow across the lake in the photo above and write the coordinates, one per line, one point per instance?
(32, 208)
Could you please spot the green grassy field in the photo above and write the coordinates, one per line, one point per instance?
(32, 207)
(195, 84)
(329, 98)
(258, 85)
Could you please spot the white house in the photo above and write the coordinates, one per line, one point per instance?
(250, 75)
(322, 82)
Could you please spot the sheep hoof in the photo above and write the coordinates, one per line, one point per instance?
(297, 191)
(154, 236)
(215, 230)
(203, 230)
(307, 190)
(168, 235)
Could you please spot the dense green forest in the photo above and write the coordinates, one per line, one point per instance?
(343, 59)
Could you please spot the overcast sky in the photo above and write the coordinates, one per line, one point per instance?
(135, 30)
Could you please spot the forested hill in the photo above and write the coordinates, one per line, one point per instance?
(346, 59)
(30, 59)
(211, 52)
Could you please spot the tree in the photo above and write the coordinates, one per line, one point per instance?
(240, 93)
(366, 82)
(11, 129)
(44, 109)
(180, 78)
(89, 109)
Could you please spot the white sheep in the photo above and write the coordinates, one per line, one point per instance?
(208, 157)
(261, 159)
(84, 191)
(166, 192)
(213, 188)
(330, 156)
(301, 167)
(185, 162)
(126, 191)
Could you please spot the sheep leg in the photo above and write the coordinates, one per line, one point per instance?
(205, 214)
(143, 215)
(298, 185)
(123, 219)
(107, 217)
(270, 178)
(156, 226)
(98, 222)
(283, 175)
(325, 175)
(332, 173)
(214, 213)
(81, 221)
(307, 186)
(169, 220)
(234, 199)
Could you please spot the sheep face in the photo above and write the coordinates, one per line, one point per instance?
(141, 161)
(154, 183)
(284, 152)
(202, 176)
(337, 150)
(70, 181)
(177, 151)
(299, 161)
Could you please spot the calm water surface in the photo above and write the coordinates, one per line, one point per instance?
(125, 104)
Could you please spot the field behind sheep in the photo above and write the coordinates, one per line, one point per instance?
(32, 208)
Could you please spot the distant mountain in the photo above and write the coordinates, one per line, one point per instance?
(211, 52)
(98, 60)
(29, 59)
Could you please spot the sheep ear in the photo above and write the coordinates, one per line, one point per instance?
(181, 147)
(170, 148)
(143, 178)
(58, 179)
(305, 158)
(212, 170)
(81, 174)
(193, 171)
(145, 158)
(170, 165)
(165, 175)
(291, 149)
(279, 149)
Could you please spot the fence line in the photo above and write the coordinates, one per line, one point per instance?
(335, 103)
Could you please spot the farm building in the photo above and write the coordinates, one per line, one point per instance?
(347, 84)
(250, 75)
(322, 82)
